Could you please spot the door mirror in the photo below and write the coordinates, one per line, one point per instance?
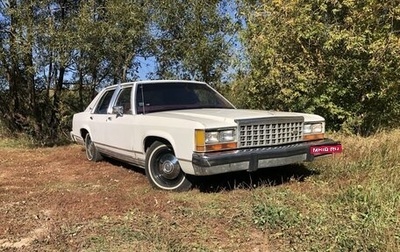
(118, 110)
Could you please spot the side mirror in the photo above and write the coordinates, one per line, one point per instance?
(119, 110)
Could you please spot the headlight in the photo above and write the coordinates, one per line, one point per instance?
(314, 131)
(317, 128)
(210, 140)
(213, 137)
(307, 128)
(313, 128)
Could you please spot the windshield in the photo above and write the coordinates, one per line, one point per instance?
(154, 97)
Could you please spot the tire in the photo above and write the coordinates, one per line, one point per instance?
(92, 154)
(163, 170)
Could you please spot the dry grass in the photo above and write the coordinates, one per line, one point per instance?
(54, 200)
(352, 205)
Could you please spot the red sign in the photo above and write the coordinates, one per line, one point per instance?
(325, 149)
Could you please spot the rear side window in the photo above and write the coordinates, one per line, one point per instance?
(104, 102)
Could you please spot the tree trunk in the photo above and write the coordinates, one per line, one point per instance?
(56, 98)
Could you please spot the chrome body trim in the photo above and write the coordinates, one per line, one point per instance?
(260, 132)
(128, 156)
(76, 138)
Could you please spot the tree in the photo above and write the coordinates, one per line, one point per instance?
(56, 54)
(47, 45)
(336, 58)
(111, 34)
(18, 99)
(192, 39)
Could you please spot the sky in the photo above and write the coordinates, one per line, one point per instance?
(146, 66)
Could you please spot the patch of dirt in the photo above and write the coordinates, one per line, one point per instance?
(53, 195)
(43, 189)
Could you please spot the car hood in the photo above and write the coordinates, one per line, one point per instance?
(227, 117)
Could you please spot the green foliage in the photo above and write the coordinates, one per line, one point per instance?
(339, 59)
(190, 39)
(109, 36)
(274, 217)
(51, 49)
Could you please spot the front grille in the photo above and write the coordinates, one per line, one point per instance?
(270, 131)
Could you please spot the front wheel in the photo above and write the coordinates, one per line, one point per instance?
(92, 153)
(163, 169)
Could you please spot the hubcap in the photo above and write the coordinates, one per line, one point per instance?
(169, 166)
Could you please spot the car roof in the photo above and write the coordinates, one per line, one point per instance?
(145, 82)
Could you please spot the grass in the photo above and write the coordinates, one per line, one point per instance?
(13, 142)
(352, 205)
(350, 202)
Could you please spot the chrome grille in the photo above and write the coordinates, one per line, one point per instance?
(270, 131)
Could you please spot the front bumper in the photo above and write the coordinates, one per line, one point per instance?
(256, 158)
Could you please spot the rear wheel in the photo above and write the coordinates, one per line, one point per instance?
(92, 153)
(163, 169)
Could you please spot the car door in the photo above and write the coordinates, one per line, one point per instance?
(120, 126)
(99, 117)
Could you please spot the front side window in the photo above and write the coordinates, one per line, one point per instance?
(104, 102)
(124, 100)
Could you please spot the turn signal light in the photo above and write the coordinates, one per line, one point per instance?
(313, 137)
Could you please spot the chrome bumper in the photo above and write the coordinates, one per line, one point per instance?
(76, 138)
(252, 159)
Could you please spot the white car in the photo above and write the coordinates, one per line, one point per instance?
(173, 128)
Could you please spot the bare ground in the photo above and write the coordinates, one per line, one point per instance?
(52, 199)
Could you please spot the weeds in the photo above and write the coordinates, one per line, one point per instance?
(349, 202)
(357, 210)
